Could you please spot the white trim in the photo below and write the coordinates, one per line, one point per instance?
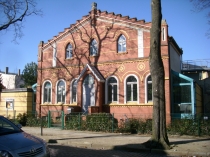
(106, 89)
(69, 31)
(145, 85)
(163, 34)
(125, 85)
(140, 43)
(43, 91)
(112, 20)
(54, 54)
(71, 92)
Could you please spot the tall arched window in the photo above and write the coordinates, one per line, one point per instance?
(112, 90)
(74, 92)
(149, 88)
(61, 93)
(121, 44)
(131, 89)
(93, 48)
(69, 51)
(47, 92)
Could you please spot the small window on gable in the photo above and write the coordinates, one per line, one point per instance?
(121, 44)
(69, 51)
(93, 48)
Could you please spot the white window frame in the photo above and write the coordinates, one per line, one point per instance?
(163, 34)
(119, 51)
(146, 91)
(125, 89)
(106, 90)
(63, 91)
(94, 44)
(43, 85)
(69, 51)
(71, 91)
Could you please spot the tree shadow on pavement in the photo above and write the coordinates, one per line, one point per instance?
(69, 151)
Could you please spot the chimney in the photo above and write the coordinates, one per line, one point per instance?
(18, 72)
(6, 70)
(93, 13)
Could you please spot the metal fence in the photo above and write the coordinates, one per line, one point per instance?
(188, 124)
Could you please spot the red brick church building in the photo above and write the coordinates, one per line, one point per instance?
(101, 64)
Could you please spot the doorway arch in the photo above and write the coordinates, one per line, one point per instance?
(88, 93)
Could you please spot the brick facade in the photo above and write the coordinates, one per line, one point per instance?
(105, 28)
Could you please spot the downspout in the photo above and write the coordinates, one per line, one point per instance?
(40, 59)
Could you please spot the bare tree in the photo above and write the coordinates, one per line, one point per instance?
(14, 12)
(200, 5)
(1, 84)
(159, 137)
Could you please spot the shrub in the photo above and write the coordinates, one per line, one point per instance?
(73, 121)
(22, 119)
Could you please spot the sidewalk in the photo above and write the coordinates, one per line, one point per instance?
(181, 145)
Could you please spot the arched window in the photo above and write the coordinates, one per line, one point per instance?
(47, 92)
(61, 92)
(69, 51)
(131, 89)
(93, 48)
(121, 44)
(149, 88)
(74, 92)
(112, 90)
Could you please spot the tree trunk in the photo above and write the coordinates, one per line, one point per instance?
(159, 134)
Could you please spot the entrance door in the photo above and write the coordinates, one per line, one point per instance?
(88, 93)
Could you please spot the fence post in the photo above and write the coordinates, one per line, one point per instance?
(41, 127)
(113, 122)
(199, 127)
(79, 121)
(14, 114)
(62, 120)
(49, 119)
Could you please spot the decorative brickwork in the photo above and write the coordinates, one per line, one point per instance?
(115, 93)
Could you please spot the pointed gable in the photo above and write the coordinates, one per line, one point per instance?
(94, 71)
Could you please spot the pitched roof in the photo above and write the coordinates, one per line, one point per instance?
(95, 72)
(103, 15)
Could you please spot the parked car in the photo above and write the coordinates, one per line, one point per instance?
(14, 142)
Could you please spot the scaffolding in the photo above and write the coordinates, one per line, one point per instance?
(199, 64)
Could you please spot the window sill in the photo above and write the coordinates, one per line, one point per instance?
(122, 53)
(66, 59)
(93, 56)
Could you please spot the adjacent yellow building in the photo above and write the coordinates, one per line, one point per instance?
(15, 101)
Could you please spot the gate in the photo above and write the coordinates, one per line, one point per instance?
(56, 119)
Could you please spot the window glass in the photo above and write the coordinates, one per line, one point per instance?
(93, 48)
(89, 80)
(110, 93)
(131, 88)
(112, 89)
(47, 92)
(121, 44)
(115, 92)
(69, 51)
(74, 92)
(149, 88)
(129, 91)
(182, 94)
(134, 92)
(61, 92)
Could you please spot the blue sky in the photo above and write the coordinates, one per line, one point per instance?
(187, 27)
